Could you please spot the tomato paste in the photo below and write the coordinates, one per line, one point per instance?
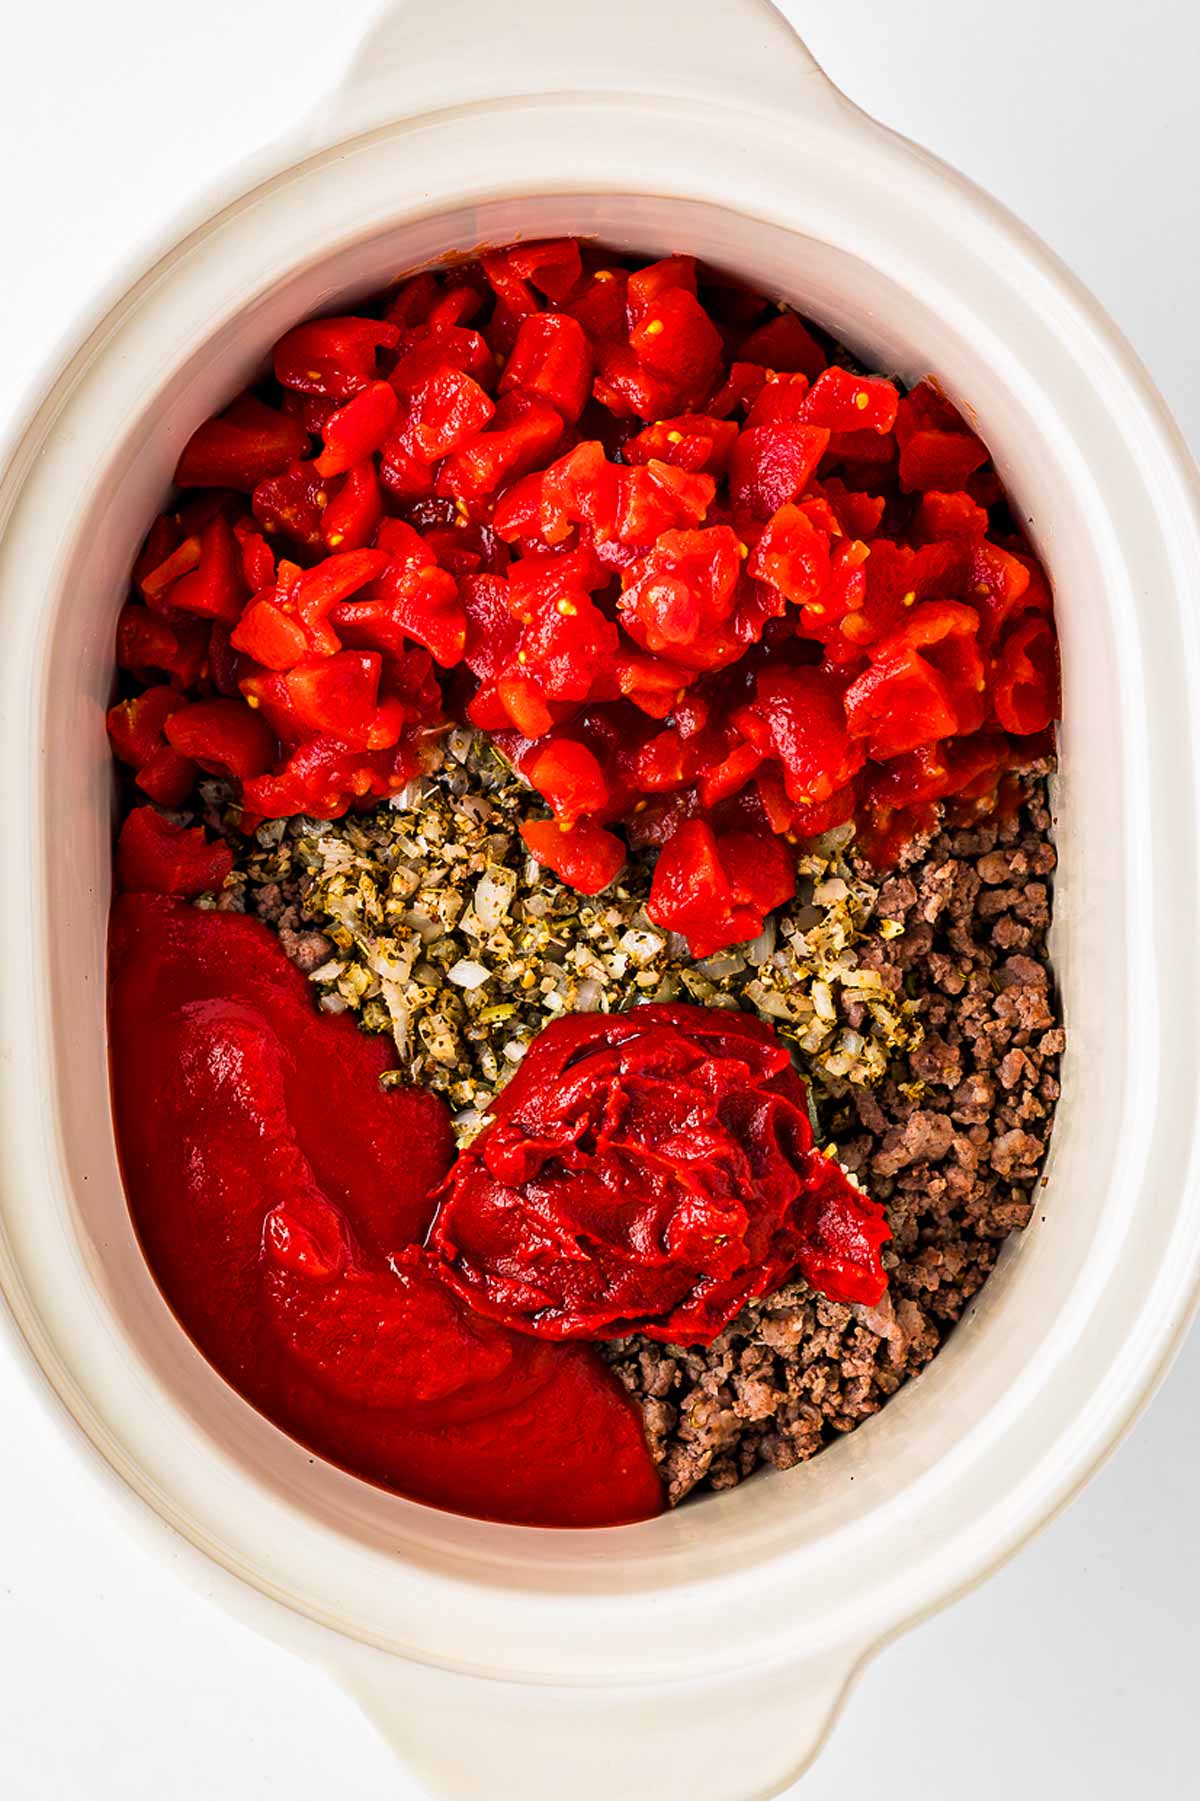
(650, 1172)
(281, 1195)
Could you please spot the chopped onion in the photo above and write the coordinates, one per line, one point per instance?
(728, 964)
(643, 947)
(468, 974)
(494, 895)
(827, 894)
(760, 948)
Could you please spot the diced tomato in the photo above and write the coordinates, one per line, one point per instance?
(682, 590)
(936, 770)
(536, 581)
(156, 857)
(925, 682)
(353, 513)
(269, 635)
(669, 621)
(456, 305)
(434, 348)
(691, 441)
(780, 401)
(938, 459)
(652, 684)
(858, 515)
(718, 891)
(420, 599)
(657, 765)
(332, 581)
(1025, 688)
(524, 705)
(517, 518)
(793, 556)
(738, 392)
(444, 412)
(676, 339)
(629, 388)
(783, 343)
(405, 476)
(936, 448)
(216, 587)
(336, 695)
(551, 360)
(241, 447)
(721, 780)
(226, 737)
(772, 464)
(258, 559)
(492, 632)
(998, 588)
(799, 716)
(569, 777)
(156, 583)
(359, 428)
(162, 538)
(583, 487)
(168, 778)
(646, 286)
(598, 300)
(521, 432)
(292, 504)
(552, 265)
(840, 401)
(948, 516)
(332, 356)
(413, 300)
(655, 498)
(148, 644)
(563, 645)
(323, 777)
(135, 726)
(584, 855)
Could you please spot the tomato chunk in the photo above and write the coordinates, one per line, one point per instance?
(156, 857)
(718, 891)
(1025, 692)
(225, 737)
(585, 856)
(335, 357)
(241, 447)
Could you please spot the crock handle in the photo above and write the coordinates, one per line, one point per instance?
(741, 1739)
(420, 56)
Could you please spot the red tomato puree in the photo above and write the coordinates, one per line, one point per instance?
(281, 1194)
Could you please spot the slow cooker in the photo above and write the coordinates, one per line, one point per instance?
(702, 1654)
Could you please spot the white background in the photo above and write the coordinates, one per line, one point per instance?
(1072, 1673)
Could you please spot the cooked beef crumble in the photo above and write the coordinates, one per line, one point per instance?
(951, 1141)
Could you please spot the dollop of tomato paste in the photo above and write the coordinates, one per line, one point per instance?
(281, 1195)
(651, 1172)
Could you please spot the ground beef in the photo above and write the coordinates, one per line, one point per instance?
(952, 1142)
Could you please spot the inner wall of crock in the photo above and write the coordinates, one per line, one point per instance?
(995, 1349)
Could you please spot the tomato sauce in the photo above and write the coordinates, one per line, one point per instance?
(281, 1196)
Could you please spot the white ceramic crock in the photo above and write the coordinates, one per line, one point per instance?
(701, 1655)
